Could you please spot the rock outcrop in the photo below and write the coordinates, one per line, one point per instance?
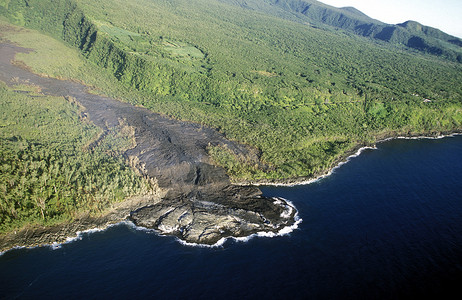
(206, 216)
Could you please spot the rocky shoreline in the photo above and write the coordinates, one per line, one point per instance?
(205, 217)
(148, 209)
(35, 236)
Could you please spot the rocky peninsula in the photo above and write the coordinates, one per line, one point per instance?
(197, 202)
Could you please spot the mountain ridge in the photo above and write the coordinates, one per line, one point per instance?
(410, 34)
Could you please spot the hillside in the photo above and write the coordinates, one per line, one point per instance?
(300, 81)
(409, 34)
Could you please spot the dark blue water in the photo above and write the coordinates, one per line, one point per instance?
(386, 225)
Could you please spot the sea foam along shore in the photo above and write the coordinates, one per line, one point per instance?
(283, 232)
(315, 179)
(347, 159)
(442, 136)
(80, 234)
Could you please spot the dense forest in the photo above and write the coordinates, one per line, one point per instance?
(49, 172)
(303, 93)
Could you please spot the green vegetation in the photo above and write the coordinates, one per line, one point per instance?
(410, 35)
(50, 171)
(303, 96)
(50, 57)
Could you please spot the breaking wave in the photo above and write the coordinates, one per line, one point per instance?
(331, 171)
(79, 235)
(356, 154)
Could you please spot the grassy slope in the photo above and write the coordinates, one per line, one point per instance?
(303, 96)
(48, 175)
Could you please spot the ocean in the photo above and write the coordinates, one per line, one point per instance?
(385, 225)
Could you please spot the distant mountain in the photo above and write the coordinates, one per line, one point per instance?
(410, 34)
